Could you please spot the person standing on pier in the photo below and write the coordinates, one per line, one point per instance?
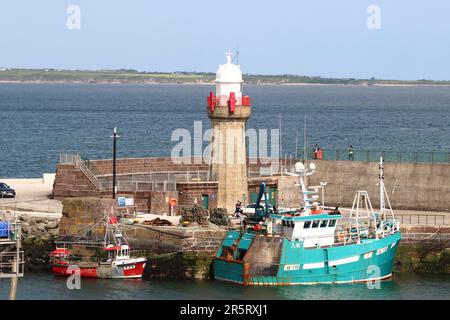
(315, 151)
(350, 153)
(238, 209)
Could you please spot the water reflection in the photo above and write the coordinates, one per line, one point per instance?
(48, 286)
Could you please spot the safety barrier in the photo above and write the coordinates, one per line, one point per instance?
(374, 156)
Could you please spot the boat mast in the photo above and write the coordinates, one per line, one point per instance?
(106, 229)
(384, 197)
(301, 171)
(382, 189)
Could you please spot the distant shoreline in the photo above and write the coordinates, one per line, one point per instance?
(298, 84)
(125, 76)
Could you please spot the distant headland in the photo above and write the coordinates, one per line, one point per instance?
(133, 76)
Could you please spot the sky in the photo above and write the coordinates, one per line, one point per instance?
(325, 38)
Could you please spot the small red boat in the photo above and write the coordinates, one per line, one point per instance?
(118, 262)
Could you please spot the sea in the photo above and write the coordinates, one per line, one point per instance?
(40, 121)
(45, 286)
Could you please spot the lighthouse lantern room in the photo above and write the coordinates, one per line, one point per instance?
(229, 85)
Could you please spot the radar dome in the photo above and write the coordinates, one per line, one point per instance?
(299, 167)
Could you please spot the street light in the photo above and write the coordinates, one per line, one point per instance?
(114, 136)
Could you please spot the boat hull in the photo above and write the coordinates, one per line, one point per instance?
(127, 269)
(368, 261)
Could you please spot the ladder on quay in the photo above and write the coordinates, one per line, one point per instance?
(11, 255)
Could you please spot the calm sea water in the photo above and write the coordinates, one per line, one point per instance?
(47, 286)
(38, 121)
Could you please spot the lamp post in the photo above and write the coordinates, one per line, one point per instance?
(114, 136)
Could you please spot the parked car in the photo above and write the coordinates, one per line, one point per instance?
(6, 191)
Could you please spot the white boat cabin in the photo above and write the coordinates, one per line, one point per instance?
(314, 230)
(120, 250)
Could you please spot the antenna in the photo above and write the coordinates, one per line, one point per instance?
(304, 143)
(228, 56)
(281, 143)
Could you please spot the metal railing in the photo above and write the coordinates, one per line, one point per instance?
(153, 181)
(224, 100)
(422, 219)
(8, 264)
(267, 170)
(88, 173)
(374, 156)
(81, 164)
(125, 185)
(424, 237)
(9, 231)
(69, 158)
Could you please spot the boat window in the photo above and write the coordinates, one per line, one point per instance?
(283, 223)
(323, 224)
(291, 224)
(315, 223)
(307, 224)
(332, 223)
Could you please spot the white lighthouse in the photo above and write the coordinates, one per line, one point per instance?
(229, 111)
(229, 78)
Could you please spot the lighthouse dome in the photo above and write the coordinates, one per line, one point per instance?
(229, 72)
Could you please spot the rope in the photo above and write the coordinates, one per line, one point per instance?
(430, 236)
(211, 235)
(78, 236)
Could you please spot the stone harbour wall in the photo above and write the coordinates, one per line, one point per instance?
(71, 182)
(38, 234)
(412, 186)
(79, 215)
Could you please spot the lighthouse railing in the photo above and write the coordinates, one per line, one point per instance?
(223, 101)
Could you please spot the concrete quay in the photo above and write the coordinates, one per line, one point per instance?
(34, 199)
(33, 196)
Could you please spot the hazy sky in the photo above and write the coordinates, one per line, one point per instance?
(316, 37)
